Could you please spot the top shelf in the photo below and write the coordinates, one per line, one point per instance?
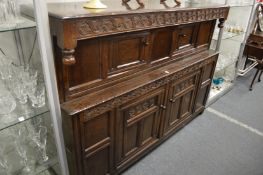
(229, 35)
(241, 5)
(20, 114)
(73, 10)
(21, 23)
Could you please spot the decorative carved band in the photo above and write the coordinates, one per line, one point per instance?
(104, 107)
(100, 26)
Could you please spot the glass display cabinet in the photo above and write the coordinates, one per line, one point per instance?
(234, 33)
(230, 41)
(30, 135)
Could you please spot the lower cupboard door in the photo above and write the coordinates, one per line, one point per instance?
(97, 143)
(181, 102)
(137, 126)
(179, 109)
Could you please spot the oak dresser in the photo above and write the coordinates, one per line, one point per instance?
(129, 78)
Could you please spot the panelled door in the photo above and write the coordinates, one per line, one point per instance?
(181, 101)
(138, 125)
(203, 90)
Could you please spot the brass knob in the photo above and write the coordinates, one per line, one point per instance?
(172, 100)
(182, 35)
(163, 107)
(146, 43)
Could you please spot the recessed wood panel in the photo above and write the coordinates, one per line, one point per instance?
(205, 32)
(139, 134)
(208, 72)
(174, 112)
(161, 44)
(126, 51)
(148, 129)
(130, 139)
(184, 37)
(98, 164)
(100, 127)
(186, 107)
(88, 63)
(201, 97)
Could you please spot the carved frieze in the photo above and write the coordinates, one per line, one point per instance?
(100, 26)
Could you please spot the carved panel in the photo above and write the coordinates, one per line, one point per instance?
(141, 107)
(185, 84)
(88, 28)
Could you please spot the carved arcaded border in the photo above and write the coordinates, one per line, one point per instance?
(104, 107)
(100, 26)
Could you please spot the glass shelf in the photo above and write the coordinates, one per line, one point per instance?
(53, 170)
(240, 4)
(229, 35)
(22, 23)
(20, 114)
(12, 155)
(47, 167)
(239, 38)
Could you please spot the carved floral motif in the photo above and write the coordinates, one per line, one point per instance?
(144, 106)
(185, 84)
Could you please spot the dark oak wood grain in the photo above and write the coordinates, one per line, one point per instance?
(129, 79)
